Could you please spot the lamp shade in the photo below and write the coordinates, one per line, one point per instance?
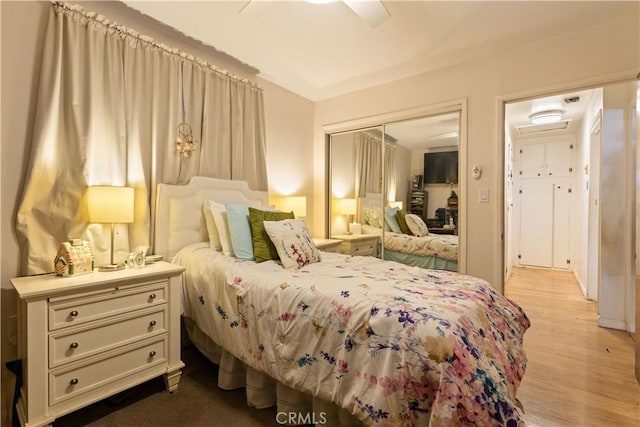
(346, 206)
(110, 205)
(395, 204)
(297, 204)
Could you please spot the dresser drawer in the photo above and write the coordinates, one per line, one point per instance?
(71, 344)
(74, 311)
(72, 382)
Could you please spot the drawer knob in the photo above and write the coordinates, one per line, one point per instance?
(73, 381)
(152, 353)
(73, 345)
(152, 296)
(74, 313)
(152, 323)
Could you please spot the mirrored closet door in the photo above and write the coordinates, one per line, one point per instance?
(384, 174)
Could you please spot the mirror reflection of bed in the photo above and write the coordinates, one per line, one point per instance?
(415, 175)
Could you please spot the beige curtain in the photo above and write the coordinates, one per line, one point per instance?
(390, 170)
(109, 104)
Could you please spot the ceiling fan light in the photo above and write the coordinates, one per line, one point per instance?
(547, 116)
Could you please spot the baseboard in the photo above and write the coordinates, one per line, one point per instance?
(583, 288)
(612, 323)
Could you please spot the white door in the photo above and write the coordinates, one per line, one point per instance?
(558, 159)
(536, 224)
(561, 225)
(532, 160)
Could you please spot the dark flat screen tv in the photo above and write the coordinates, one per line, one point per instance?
(441, 167)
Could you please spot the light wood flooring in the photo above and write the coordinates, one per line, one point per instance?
(578, 374)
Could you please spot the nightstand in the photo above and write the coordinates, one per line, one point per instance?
(327, 245)
(84, 338)
(358, 244)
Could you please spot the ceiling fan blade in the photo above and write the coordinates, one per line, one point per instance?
(372, 11)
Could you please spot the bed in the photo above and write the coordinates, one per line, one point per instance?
(348, 340)
(433, 251)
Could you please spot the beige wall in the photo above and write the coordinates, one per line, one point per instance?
(585, 58)
(289, 129)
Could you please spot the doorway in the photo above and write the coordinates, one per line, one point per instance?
(570, 171)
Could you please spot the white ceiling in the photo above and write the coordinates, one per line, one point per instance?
(323, 50)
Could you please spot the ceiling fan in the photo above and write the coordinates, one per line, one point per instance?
(371, 11)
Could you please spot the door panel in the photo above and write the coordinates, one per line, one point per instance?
(532, 160)
(561, 225)
(536, 224)
(558, 159)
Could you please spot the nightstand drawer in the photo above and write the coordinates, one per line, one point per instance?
(64, 313)
(69, 345)
(69, 383)
(363, 249)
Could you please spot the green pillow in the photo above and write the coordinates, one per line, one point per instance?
(263, 249)
(402, 222)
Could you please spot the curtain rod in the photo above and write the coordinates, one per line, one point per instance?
(124, 32)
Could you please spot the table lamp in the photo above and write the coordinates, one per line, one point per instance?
(347, 207)
(110, 205)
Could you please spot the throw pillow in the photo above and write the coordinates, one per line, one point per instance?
(212, 231)
(293, 242)
(391, 220)
(416, 225)
(263, 248)
(402, 222)
(222, 225)
(240, 229)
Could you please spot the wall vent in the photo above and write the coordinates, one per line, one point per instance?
(529, 129)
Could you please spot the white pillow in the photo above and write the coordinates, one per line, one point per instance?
(214, 237)
(293, 243)
(220, 220)
(416, 225)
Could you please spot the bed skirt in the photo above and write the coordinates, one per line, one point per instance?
(293, 407)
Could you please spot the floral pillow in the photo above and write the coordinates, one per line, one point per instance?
(416, 225)
(293, 242)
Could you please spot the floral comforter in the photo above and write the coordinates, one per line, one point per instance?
(392, 344)
(439, 245)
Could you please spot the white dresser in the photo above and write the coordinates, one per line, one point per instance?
(84, 338)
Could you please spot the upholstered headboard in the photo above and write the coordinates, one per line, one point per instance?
(179, 219)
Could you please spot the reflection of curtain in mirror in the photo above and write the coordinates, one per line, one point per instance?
(390, 157)
(368, 158)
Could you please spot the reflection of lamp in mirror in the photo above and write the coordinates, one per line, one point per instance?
(395, 204)
(295, 204)
(110, 205)
(348, 207)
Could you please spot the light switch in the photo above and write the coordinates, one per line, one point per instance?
(483, 195)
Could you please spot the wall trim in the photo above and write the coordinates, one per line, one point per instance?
(612, 323)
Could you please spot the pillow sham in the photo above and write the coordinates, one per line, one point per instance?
(402, 222)
(263, 248)
(222, 226)
(240, 229)
(391, 220)
(372, 217)
(292, 242)
(212, 230)
(416, 225)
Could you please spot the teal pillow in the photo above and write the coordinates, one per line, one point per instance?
(263, 248)
(391, 220)
(402, 222)
(240, 229)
